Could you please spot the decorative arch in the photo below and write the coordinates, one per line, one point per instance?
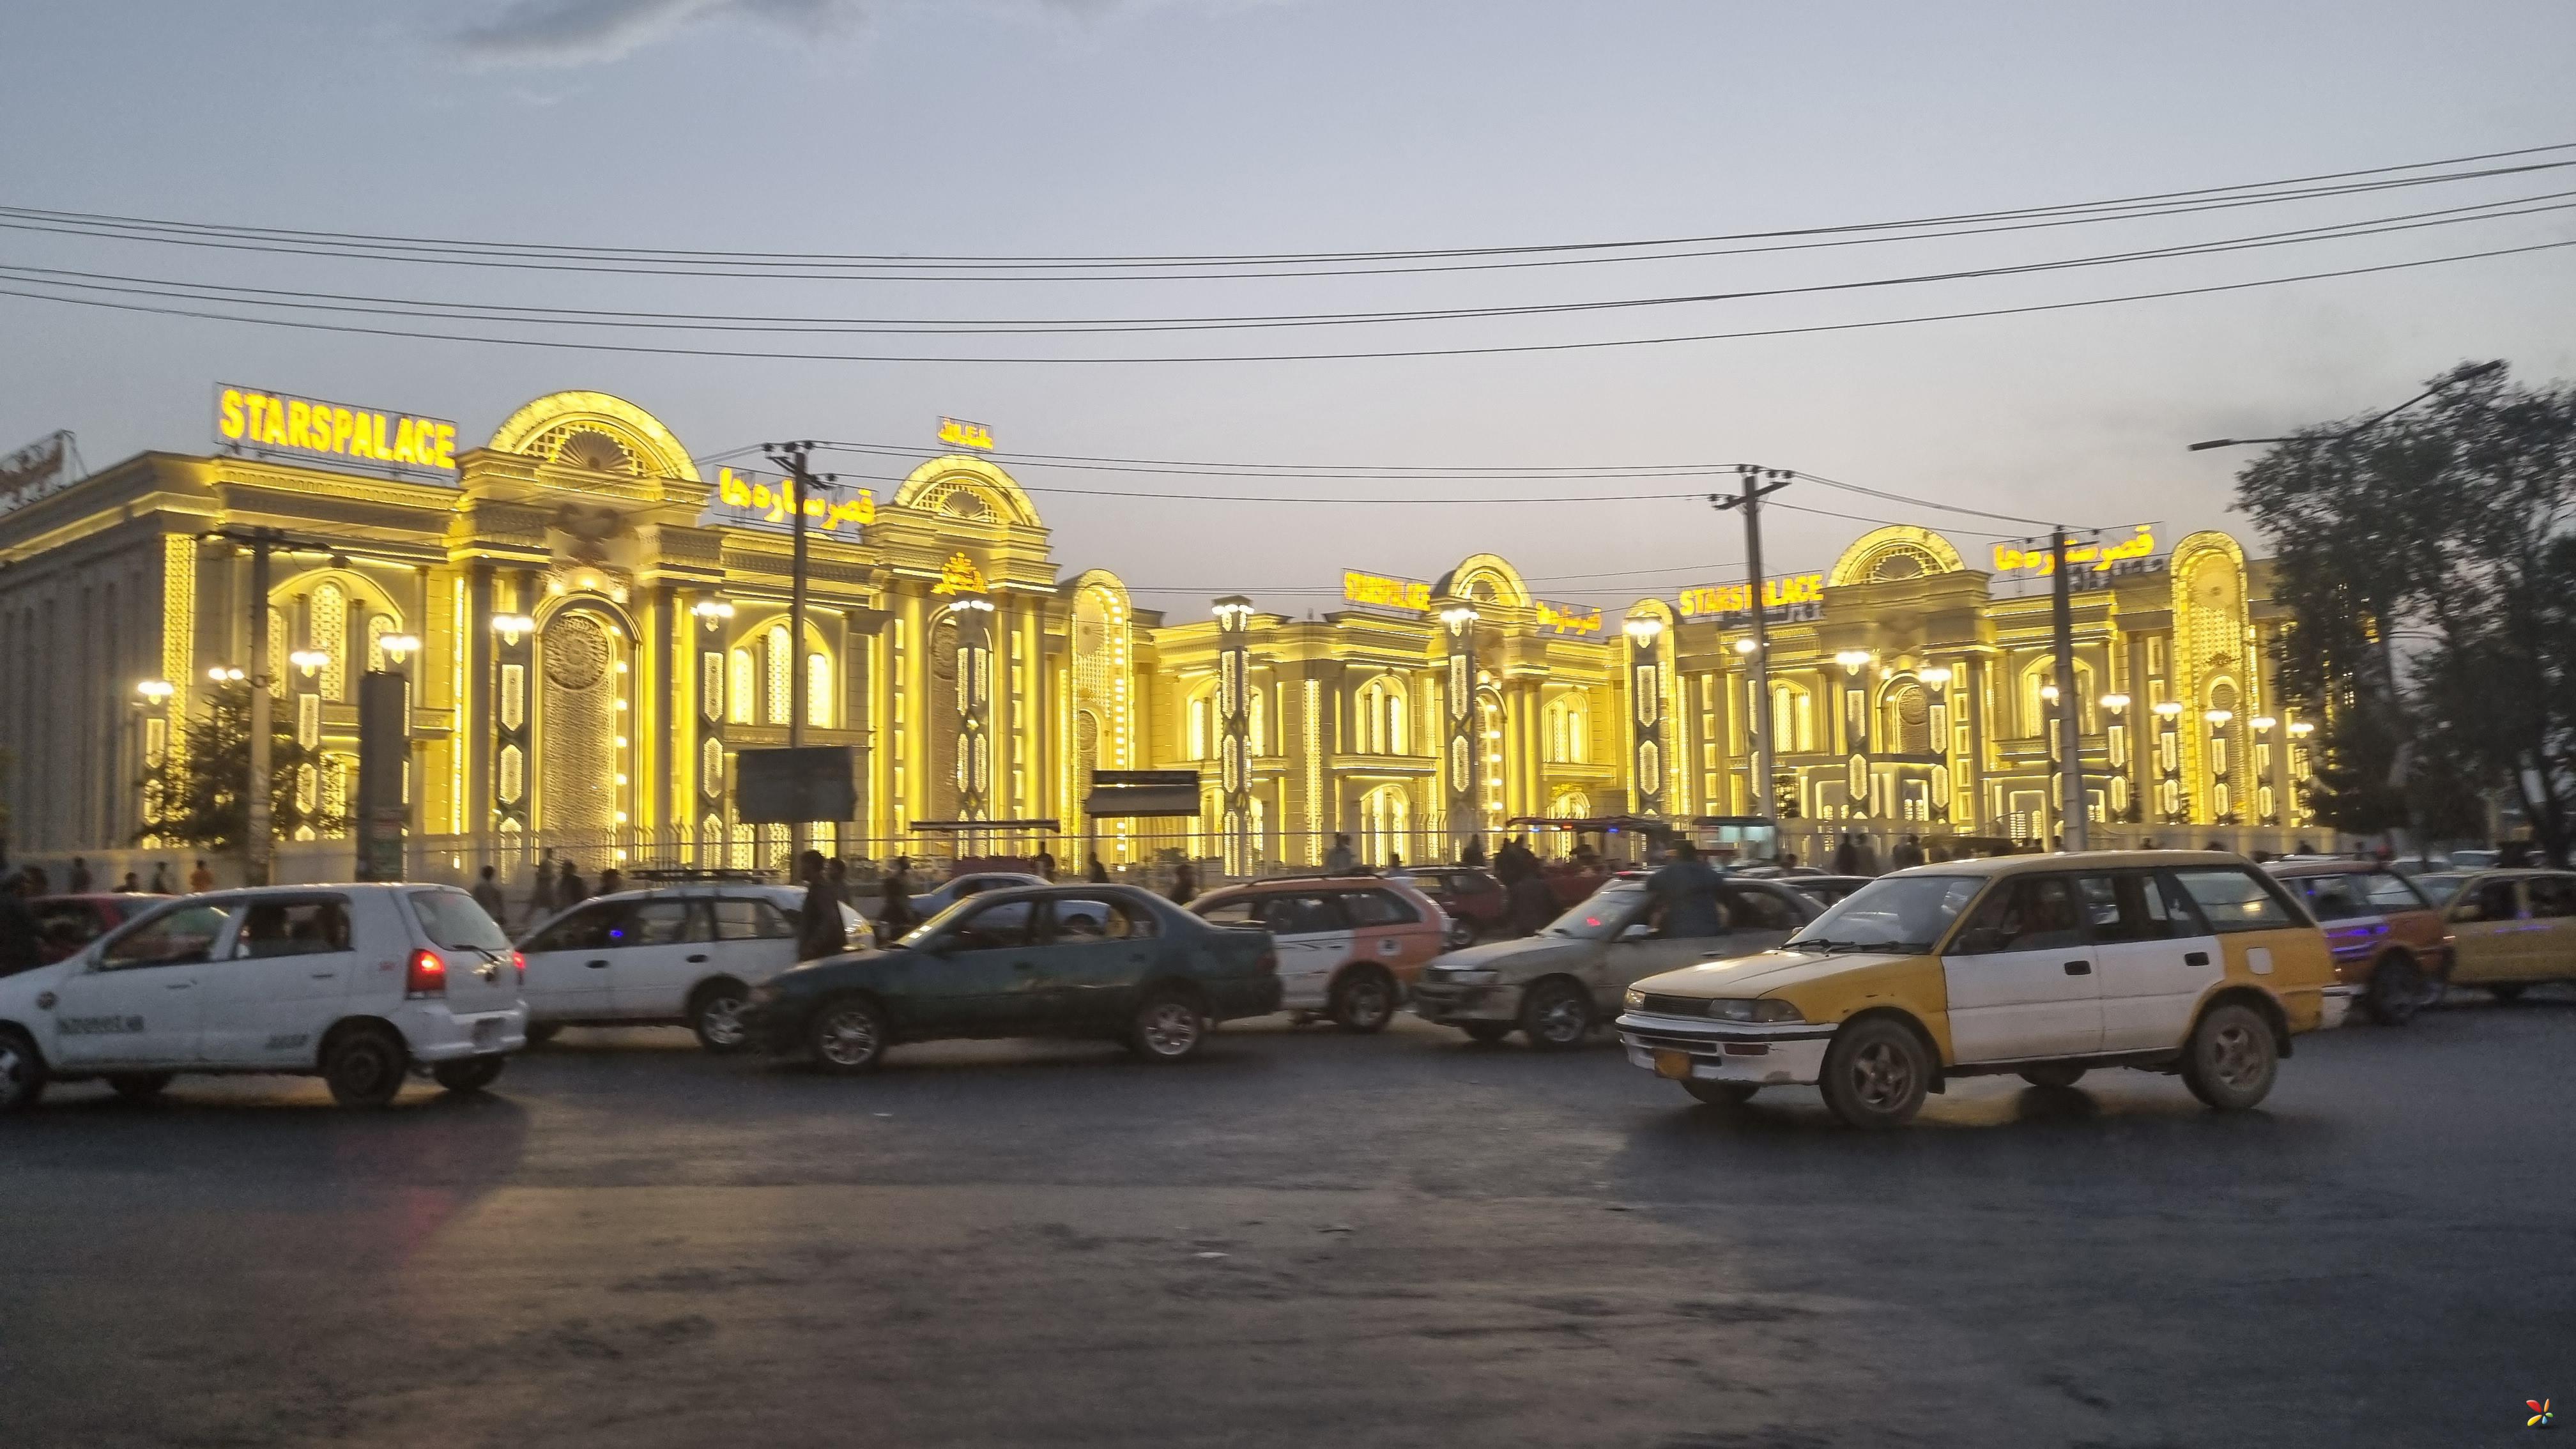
(1378, 717)
(1898, 551)
(598, 431)
(1905, 716)
(965, 487)
(342, 592)
(1486, 578)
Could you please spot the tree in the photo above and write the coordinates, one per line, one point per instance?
(2429, 568)
(195, 791)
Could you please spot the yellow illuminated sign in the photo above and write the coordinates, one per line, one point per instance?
(2040, 561)
(278, 422)
(1777, 593)
(1384, 593)
(1567, 619)
(959, 577)
(959, 433)
(752, 498)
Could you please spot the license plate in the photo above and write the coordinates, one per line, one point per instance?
(487, 1032)
(1675, 1065)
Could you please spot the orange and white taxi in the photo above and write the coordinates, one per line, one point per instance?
(1349, 945)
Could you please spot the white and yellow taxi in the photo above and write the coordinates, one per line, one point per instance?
(2187, 962)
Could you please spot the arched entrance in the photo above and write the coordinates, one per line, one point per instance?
(581, 735)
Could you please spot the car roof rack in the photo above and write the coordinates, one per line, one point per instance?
(1357, 872)
(691, 874)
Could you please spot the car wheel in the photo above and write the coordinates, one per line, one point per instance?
(139, 1086)
(2507, 991)
(2053, 1074)
(1462, 933)
(1557, 1016)
(1488, 1032)
(468, 1074)
(1169, 1027)
(848, 1036)
(1363, 1000)
(540, 1035)
(365, 1067)
(2231, 1058)
(716, 1016)
(1875, 1074)
(22, 1071)
(1721, 1094)
(2396, 990)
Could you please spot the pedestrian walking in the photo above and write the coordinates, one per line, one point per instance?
(487, 894)
(894, 911)
(819, 930)
(569, 891)
(1684, 890)
(1474, 854)
(1339, 860)
(1847, 855)
(78, 883)
(131, 885)
(161, 878)
(200, 880)
(1395, 865)
(1046, 864)
(37, 882)
(611, 880)
(836, 873)
(1533, 905)
(1185, 883)
(1908, 852)
(1095, 872)
(541, 890)
(22, 942)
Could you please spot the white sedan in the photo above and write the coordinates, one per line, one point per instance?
(687, 955)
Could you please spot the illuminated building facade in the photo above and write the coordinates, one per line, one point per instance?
(593, 627)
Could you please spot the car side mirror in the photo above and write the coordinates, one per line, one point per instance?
(1978, 941)
(1641, 931)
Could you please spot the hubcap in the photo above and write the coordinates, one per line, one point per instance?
(1881, 1076)
(366, 1068)
(1171, 1029)
(1368, 1002)
(1561, 1018)
(722, 1020)
(849, 1038)
(2235, 1057)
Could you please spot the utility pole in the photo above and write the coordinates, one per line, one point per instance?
(1758, 714)
(255, 826)
(2072, 816)
(791, 458)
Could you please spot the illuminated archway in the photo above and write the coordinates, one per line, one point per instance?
(1898, 551)
(963, 487)
(598, 431)
(1484, 578)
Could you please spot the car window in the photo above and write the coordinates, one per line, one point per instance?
(1895, 913)
(1378, 908)
(2232, 898)
(1759, 910)
(584, 929)
(2387, 892)
(2551, 895)
(293, 928)
(1095, 918)
(740, 918)
(1240, 911)
(997, 927)
(654, 923)
(2333, 897)
(2490, 901)
(2135, 906)
(67, 925)
(1302, 913)
(172, 938)
(451, 919)
(2038, 913)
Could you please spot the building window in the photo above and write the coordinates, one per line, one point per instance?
(331, 639)
(782, 687)
(818, 691)
(746, 688)
(1793, 720)
(1202, 727)
(1569, 729)
(1378, 720)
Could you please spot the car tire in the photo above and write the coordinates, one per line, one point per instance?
(1363, 1000)
(1876, 1073)
(2506, 991)
(848, 1036)
(468, 1074)
(139, 1086)
(22, 1071)
(1556, 1016)
(2396, 990)
(1487, 1032)
(1462, 933)
(1169, 1027)
(539, 1035)
(2053, 1074)
(364, 1066)
(2231, 1059)
(715, 1014)
(1720, 1094)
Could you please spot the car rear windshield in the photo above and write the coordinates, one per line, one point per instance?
(453, 921)
(1909, 913)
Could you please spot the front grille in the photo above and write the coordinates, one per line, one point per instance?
(1675, 1005)
(1655, 1041)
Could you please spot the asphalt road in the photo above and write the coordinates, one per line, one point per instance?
(1303, 1238)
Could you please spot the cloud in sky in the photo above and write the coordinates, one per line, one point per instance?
(591, 32)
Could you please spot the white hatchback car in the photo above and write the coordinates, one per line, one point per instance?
(358, 984)
(679, 955)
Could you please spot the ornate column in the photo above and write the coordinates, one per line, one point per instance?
(2267, 799)
(2170, 804)
(1936, 682)
(1855, 712)
(1462, 758)
(514, 655)
(704, 658)
(2222, 787)
(1234, 730)
(1648, 754)
(974, 615)
(2123, 758)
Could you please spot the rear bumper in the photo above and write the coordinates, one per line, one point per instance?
(436, 1034)
(1233, 998)
(2336, 1006)
(1790, 1055)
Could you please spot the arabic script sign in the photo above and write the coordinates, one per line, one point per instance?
(2036, 559)
(959, 433)
(1384, 593)
(46, 466)
(745, 499)
(1570, 620)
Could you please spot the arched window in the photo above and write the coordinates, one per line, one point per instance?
(818, 691)
(1906, 718)
(745, 690)
(1378, 719)
(782, 685)
(1259, 723)
(331, 638)
(2041, 675)
(1569, 729)
(1203, 726)
(1385, 821)
(1793, 719)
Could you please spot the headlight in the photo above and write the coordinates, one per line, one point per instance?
(1472, 977)
(1636, 1000)
(1739, 1009)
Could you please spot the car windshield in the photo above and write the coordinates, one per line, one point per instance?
(453, 920)
(1908, 913)
(1601, 914)
(948, 913)
(2439, 886)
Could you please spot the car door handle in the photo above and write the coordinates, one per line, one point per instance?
(324, 975)
(2079, 968)
(596, 965)
(178, 985)
(2195, 958)
(699, 959)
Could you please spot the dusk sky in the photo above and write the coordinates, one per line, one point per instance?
(1223, 127)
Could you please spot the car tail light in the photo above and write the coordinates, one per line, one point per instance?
(519, 963)
(427, 976)
(1269, 963)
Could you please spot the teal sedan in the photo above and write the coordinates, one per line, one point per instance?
(1087, 960)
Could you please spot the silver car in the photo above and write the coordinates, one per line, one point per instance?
(1556, 986)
